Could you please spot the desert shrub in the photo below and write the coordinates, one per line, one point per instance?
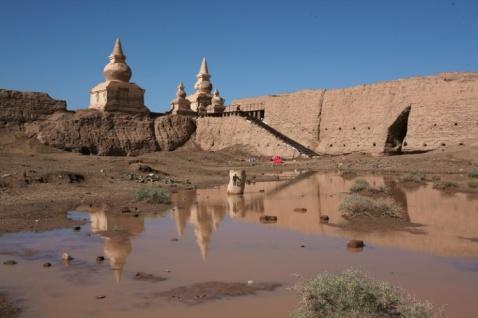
(436, 178)
(473, 174)
(352, 294)
(359, 186)
(444, 185)
(359, 205)
(362, 186)
(473, 184)
(8, 309)
(380, 189)
(414, 176)
(347, 173)
(153, 195)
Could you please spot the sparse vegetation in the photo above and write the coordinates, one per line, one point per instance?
(153, 195)
(362, 186)
(358, 205)
(473, 184)
(473, 174)
(359, 186)
(444, 185)
(436, 178)
(414, 176)
(7, 309)
(346, 173)
(352, 294)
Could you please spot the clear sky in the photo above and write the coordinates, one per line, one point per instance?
(253, 47)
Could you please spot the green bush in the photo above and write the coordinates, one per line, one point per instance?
(153, 195)
(352, 294)
(444, 185)
(414, 176)
(473, 174)
(359, 205)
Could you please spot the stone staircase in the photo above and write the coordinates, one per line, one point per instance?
(294, 144)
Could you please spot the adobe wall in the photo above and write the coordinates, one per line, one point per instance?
(296, 114)
(216, 133)
(358, 118)
(444, 111)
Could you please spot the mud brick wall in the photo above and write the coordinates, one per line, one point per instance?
(20, 107)
(358, 118)
(295, 115)
(444, 112)
(216, 133)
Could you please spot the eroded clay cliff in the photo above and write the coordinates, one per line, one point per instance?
(91, 131)
(19, 107)
(172, 131)
(96, 132)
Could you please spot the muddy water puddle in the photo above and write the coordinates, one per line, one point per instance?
(214, 254)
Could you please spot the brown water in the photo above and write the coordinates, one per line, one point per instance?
(221, 238)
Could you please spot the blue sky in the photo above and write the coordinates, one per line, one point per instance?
(253, 47)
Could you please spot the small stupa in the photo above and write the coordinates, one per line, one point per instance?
(116, 93)
(201, 99)
(217, 103)
(180, 105)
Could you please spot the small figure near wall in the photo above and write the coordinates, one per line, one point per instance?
(277, 160)
(237, 182)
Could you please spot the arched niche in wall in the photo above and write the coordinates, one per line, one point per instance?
(397, 132)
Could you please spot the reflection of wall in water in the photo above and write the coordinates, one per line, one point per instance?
(448, 220)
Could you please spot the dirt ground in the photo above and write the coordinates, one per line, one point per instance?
(38, 185)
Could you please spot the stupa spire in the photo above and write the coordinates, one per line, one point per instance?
(203, 86)
(117, 52)
(203, 70)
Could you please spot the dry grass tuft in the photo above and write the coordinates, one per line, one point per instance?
(358, 205)
(352, 294)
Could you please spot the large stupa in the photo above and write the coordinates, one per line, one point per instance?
(116, 93)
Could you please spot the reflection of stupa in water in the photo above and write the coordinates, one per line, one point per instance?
(117, 251)
(117, 230)
(205, 217)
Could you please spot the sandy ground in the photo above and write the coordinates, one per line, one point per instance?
(39, 185)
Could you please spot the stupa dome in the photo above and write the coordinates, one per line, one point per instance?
(117, 69)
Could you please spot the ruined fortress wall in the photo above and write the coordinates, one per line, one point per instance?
(358, 118)
(215, 133)
(444, 111)
(295, 114)
(20, 107)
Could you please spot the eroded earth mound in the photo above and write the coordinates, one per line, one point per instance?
(46, 120)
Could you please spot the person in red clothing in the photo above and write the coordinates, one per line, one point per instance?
(277, 160)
